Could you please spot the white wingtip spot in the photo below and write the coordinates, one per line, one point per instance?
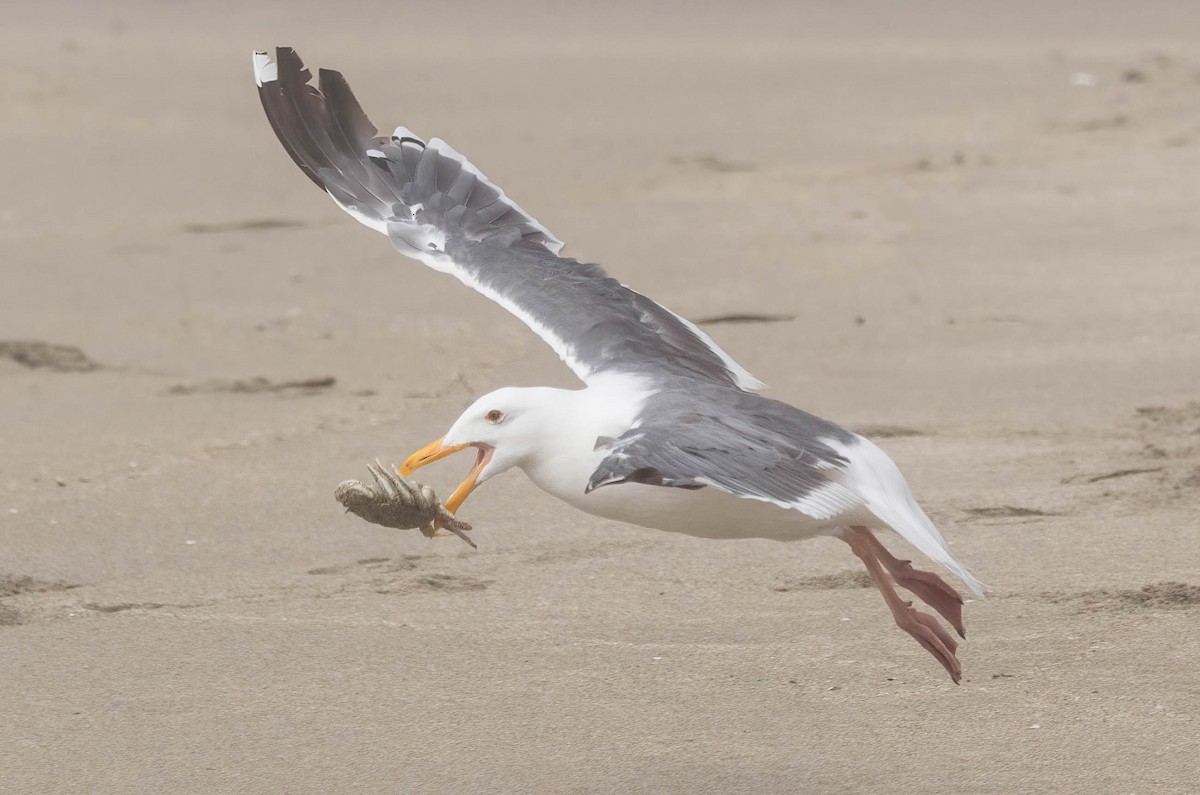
(265, 70)
(400, 133)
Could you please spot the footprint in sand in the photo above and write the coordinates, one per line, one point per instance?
(847, 579)
(38, 355)
(386, 576)
(18, 584)
(1168, 594)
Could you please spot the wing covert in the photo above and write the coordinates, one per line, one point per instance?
(760, 449)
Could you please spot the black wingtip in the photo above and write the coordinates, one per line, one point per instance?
(344, 109)
(277, 88)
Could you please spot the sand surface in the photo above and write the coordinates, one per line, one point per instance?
(984, 221)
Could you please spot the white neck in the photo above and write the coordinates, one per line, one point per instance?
(574, 420)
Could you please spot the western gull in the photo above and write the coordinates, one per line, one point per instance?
(668, 431)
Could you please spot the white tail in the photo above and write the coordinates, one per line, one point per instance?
(885, 493)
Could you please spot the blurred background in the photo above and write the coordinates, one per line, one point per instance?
(968, 230)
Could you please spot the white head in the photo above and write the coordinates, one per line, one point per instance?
(507, 427)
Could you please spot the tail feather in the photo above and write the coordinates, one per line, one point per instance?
(413, 191)
(907, 519)
(885, 493)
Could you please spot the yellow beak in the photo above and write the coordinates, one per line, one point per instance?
(435, 451)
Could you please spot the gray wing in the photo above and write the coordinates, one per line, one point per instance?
(748, 446)
(438, 208)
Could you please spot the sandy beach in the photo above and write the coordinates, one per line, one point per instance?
(970, 232)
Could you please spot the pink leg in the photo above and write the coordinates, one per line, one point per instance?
(922, 626)
(927, 586)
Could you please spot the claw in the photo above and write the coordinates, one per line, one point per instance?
(446, 521)
(462, 535)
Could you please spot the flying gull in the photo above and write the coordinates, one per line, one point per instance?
(668, 431)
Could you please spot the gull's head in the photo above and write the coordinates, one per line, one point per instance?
(506, 427)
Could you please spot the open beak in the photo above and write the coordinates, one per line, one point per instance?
(436, 451)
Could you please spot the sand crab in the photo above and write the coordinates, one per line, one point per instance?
(400, 503)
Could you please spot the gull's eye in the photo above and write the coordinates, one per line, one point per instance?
(494, 417)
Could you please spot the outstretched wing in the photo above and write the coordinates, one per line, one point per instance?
(438, 208)
(756, 449)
